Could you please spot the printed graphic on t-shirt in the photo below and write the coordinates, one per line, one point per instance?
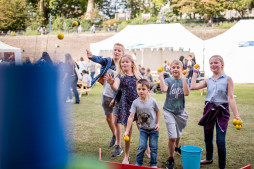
(175, 96)
(175, 91)
(144, 120)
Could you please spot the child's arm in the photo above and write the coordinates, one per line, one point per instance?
(129, 124)
(186, 89)
(111, 103)
(231, 99)
(157, 127)
(96, 59)
(114, 83)
(163, 86)
(194, 85)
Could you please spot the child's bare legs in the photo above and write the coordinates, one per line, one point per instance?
(171, 146)
(117, 131)
(178, 142)
(127, 146)
(109, 118)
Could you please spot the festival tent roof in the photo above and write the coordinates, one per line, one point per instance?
(236, 46)
(7, 48)
(153, 36)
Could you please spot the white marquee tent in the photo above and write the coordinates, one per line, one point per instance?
(7, 48)
(236, 46)
(153, 36)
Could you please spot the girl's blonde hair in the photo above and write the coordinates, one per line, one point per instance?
(134, 67)
(220, 59)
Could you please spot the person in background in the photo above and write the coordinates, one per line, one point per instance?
(93, 28)
(92, 68)
(45, 58)
(83, 65)
(183, 62)
(143, 71)
(166, 70)
(149, 78)
(109, 28)
(86, 78)
(70, 78)
(80, 29)
(115, 27)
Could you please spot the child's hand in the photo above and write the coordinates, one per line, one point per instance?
(111, 103)
(125, 134)
(89, 54)
(109, 78)
(157, 127)
(185, 75)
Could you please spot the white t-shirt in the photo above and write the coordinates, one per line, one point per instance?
(86, 78)
(83, 65)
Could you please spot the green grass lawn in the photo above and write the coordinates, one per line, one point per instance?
(91, 132)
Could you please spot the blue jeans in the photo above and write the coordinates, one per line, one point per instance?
(71, 82)
(92, 75)
(221, 145)
(70, 94)
(153, 144)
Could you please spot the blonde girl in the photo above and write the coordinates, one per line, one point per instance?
(219, 97)
(127, 76)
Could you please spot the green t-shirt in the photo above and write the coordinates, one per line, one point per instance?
(175, 101)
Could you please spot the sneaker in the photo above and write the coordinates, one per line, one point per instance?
(178, 150)
(113, 141)
(118, 151)
(170, 163)
(126, 162)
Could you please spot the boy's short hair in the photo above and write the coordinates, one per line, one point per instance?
(119, 44)
(177, 62)
(144, 82)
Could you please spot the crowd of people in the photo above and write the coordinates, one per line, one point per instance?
(126, 97)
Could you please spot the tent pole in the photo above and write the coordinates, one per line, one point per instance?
(142, 57)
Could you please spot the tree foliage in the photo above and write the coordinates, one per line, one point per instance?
(145, 6)
(13, 14)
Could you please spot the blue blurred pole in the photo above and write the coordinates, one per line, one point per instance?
(162, 18)
(32, 123)
(50, 23)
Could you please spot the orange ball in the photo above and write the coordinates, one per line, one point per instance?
(196, 66)
(160, 69)
(60, 36)
(74, 23)
(235, 122)
(184, 72)
(127, 138)
(238, 127)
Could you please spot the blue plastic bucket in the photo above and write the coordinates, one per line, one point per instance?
(191, 156)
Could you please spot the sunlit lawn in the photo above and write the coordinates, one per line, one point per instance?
(91, 132)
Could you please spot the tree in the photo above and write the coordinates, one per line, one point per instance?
(13, 14)
(111, 7)
(89, 9)
(211, 8)
(146, 6)
(242, 6)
